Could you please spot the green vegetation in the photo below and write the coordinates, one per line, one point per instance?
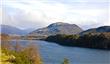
(27, 55)
(91, 40)
(66, 61)
(17, 54)
(6, 59)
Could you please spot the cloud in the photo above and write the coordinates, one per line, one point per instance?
(39, 13)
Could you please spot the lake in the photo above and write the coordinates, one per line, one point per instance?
(52, 53)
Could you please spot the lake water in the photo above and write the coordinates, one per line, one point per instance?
(52, 53)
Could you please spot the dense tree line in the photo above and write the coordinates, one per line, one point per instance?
(91, 40)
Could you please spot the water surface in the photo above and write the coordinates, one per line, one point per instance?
(52, 53)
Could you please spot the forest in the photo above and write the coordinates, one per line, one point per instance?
(91, 40)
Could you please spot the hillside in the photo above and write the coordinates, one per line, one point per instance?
(11, 30)
(96, 41)
(58, 28)
(96, 30)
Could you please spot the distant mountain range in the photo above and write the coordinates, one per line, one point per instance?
(13, 30)
(96, 30)
(58, 28)
(53, 29)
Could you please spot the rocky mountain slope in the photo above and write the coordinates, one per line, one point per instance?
(58, 28)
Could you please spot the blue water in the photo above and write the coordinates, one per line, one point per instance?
(52, 53)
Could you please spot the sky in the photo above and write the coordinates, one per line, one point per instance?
(26, 14)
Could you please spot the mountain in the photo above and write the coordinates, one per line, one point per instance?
(97, 30)
(13, 30)
(58, 28)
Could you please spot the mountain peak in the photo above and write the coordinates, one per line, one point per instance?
(57, 24)
(60, 23)
(58, 28)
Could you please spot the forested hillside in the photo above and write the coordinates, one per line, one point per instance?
(91, 40)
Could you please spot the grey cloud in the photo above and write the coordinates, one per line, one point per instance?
(20, 19)
(31, 18)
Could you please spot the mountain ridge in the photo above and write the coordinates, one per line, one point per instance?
(11, 30)
(100, 29)
(58, 28)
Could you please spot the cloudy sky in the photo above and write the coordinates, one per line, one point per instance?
(39, 13)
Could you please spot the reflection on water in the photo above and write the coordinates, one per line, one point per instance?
(54, 54)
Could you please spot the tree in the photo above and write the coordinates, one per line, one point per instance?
(31, 51)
